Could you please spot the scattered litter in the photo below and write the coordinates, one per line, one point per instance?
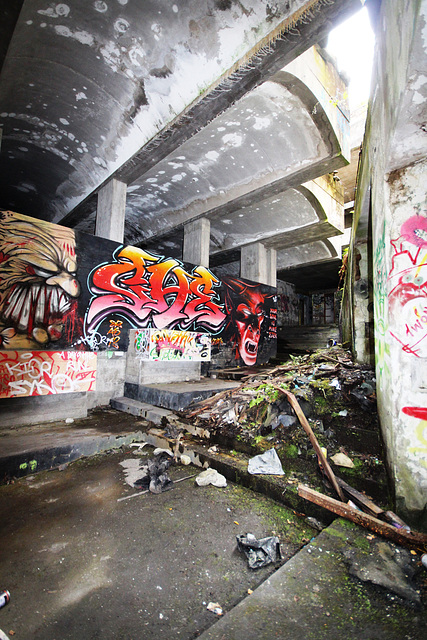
(250, 591)
(4, 598)
(266, 463)
(335, 383)
(213, 449)
(341, 460)
(259, 552)
(132, 470)
(235, 522)
(140, 493)
(215, 608)
(186, 460)
(211, 476)
(343, 413)
(159, 451)
(154, 476)
(69, 420)
(424, 560)
(3, 636)
(314, 523)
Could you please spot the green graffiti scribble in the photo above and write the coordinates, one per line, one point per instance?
(33, 465)
(380, 295)
(23, 466)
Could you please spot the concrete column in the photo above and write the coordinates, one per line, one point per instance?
(253, 263)
(272, 267)
(196, 242)
(110, 212)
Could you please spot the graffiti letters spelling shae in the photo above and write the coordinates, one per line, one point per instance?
(148, 290)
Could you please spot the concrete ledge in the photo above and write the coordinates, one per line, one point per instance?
(142, 409)
(176, 396)
(37, 409)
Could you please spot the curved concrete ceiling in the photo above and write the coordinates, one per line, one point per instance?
(86, 85)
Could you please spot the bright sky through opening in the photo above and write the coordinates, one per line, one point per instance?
(352, 44)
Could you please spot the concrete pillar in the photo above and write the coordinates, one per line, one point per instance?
(272, 267)
(196, 242)
(110, 212)
(253, 263)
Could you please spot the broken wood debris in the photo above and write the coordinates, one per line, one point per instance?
(411, 539)
(309, 431)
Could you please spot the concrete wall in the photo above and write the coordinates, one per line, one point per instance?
(110, 378)
(391, 185)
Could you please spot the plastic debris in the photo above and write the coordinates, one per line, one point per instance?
(259, 552)
(343, 413)
(341, 460)
(211, 476)
(154, 476)
(215, 608)
(266, 463)
(186, 460)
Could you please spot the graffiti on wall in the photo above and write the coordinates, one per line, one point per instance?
(420, 431)
(172, 344)
(61, 289)
(38, 284)
(247, 317)
(148, 290)
(407, 280)
(38, 373)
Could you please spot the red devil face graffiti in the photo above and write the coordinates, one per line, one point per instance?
(245, 305)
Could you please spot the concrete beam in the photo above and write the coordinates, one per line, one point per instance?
(110, 213)
(272, 267)
(196, 242)
(253, 263)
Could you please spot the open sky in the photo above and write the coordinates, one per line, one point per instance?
(352, 44)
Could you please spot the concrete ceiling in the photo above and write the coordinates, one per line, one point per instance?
(186, 102)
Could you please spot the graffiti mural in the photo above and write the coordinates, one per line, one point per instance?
(407, 280)
(171, 344)
(150, 291)
(38, 373)
(38, 285)
(65, 290)
(249, 317)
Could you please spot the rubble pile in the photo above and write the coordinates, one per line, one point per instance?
(338, 399)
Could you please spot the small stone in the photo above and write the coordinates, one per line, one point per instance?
(69, 421)
(341, 460)
(211, 476)
(186, 460)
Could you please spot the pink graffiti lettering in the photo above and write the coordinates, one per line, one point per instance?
(149, 291)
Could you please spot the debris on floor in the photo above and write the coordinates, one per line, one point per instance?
(215, 608)
(149, 474)
(267, 463)
(211, 476)
(154, 473)
(260, 552)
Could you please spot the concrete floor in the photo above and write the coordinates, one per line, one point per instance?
(80, 564)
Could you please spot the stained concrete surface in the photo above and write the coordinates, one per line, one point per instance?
(79, 564)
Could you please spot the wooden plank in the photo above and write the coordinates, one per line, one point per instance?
(309, 431)
(411, 539)
(362, 500)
